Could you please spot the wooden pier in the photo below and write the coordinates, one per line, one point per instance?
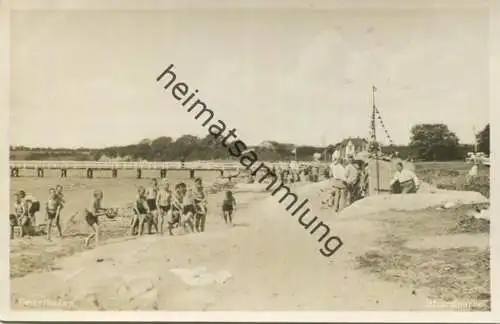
(224, 167)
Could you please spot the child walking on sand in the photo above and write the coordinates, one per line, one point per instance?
(92, 214)
(53, 208)
(228, 207)
(163, 202)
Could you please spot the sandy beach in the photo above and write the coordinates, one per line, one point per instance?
(267, 261)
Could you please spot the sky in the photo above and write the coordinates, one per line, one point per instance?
(87, 78)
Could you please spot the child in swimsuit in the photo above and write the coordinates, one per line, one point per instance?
(151, 195)
(201, 204)
(163, 201)
(176, 209)
(92, 214)
(18, 215)
(189, 209)
(142, 213)
(60, 197)
(32, 205)
(228, 206)
(52, 207)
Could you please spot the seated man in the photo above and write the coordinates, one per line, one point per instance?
(404, 181)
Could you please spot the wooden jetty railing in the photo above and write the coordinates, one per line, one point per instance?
(114, 166)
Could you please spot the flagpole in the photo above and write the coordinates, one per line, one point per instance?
(475, 138)
(374, 129)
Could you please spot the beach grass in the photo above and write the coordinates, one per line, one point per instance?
(453, 176)
(459, 274)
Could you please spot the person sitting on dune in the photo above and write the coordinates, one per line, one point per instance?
(404, 181)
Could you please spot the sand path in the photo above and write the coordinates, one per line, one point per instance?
(274, 265)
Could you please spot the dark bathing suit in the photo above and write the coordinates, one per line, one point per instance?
(51, 215)
(35, 206)
(164, 208)
(189, 209)
(151, 204)
(91, 218)
(227, 205)
(140, 207)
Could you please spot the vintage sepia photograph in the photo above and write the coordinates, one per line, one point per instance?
(225, 158)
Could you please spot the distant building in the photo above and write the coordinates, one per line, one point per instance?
(266, 144)
(351, 146)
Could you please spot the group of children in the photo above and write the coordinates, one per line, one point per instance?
(26, 207)
(153, 207)
(185, 207)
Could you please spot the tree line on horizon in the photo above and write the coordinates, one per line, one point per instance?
(428, 142)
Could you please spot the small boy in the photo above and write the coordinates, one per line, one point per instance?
(32, 206)
(176, 209)
(52, 208)
(151, 195)
(142, 213)
(60, 197)
(163, 201)
(92, 214)
(201, 205)
(19, 215)
(228, 206)
(189, 210)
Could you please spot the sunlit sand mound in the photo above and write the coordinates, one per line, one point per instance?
(410, 202)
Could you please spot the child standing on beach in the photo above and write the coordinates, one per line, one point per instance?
(53, 208)
(201, 205)
(176, 209)
(151, 195)
(163, 202)
(228, 207)
(142, 213)
(189, 212)
(91, 216)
